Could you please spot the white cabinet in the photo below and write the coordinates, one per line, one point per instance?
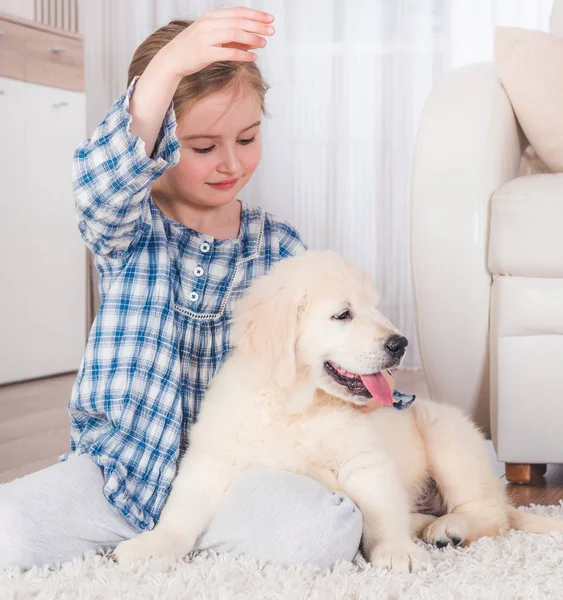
(42, 258)
(12, 227)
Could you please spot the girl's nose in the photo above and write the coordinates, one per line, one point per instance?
(229, 161)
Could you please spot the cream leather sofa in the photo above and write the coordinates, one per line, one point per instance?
(487, 259)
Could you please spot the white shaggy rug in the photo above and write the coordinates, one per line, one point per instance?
(516, 566)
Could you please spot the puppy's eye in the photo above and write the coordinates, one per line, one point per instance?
(345, 315)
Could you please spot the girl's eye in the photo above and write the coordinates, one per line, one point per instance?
(247, 141)
(345, 315)
(204, 150)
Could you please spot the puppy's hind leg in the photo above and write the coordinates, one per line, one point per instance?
(475, 497)
(194, 499)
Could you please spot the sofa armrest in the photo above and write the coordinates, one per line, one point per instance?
(468, 144)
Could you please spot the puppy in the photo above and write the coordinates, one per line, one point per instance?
(310, 346)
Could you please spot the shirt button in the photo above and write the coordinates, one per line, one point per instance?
(205, 247)
(194, 297)
(198, 271)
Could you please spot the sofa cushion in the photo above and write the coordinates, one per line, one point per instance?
(530, 64)
(526, 231)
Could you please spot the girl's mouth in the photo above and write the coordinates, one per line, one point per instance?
(227, 184)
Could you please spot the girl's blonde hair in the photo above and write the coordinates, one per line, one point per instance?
(216, 77)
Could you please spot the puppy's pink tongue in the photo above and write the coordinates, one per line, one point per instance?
(377, 386)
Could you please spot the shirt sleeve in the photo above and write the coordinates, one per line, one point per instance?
(112, 178)
(290, 241)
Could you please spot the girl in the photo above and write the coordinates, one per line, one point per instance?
(156, 190)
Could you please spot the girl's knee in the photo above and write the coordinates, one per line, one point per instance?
(284, 518)
(313, 524)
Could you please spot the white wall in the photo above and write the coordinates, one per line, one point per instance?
(18, 8)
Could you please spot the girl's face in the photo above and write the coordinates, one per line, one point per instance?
(220, 149)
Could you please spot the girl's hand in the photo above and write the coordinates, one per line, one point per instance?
(219, 35)
(227, 34)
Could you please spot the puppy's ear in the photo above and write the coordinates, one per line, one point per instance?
(265, 328)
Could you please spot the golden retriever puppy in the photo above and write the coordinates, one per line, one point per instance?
(310, 346)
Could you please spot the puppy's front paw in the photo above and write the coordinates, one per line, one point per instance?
(150, 544)
(401, 558)
(454, 529)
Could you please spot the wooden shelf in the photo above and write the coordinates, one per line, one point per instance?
(32, 52)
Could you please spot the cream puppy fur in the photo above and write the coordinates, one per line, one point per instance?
(287, 397)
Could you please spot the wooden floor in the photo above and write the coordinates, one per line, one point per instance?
(34, 432)
(34, 425)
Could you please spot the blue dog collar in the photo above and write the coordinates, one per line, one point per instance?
(402, 401)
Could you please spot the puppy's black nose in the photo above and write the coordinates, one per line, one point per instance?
(396, 345)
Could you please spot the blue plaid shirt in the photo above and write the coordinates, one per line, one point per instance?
(162, 329)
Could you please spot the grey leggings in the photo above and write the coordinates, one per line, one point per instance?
(60, 512)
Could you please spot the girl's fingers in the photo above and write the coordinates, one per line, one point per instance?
(240, 11)
(230, 36)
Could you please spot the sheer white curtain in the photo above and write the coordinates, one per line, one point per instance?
(348, 82)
